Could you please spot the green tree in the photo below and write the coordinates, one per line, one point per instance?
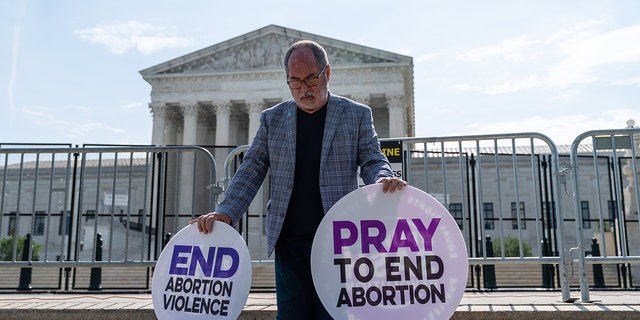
(6, 249)
(511, 248)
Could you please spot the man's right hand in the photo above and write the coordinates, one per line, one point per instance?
(205, 221)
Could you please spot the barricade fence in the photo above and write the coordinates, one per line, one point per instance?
(607, 179)
(532, 217)
(68, 212)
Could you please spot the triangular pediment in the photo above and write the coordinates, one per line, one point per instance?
(264, 49)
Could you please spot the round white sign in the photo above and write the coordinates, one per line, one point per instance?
(202, 276)
(389, 255)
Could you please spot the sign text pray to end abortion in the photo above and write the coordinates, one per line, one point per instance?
(400, 269)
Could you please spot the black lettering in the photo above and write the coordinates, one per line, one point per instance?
(356, 269)
(179, 303)
(342, 263)
(421, 299)
(392, 270)
(430, 274)
(168, 301)
(169, 286)
(371, 301)
(343, 298)
(224, 308)
(197, 283)
(388, 295)
(187, 285)
(178, 285)
(358, 294)
(440, 293)
(402, 290)
(416, 269)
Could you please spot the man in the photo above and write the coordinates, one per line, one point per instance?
(313, 146)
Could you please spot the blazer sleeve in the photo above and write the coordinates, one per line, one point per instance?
(248, 178)
(373, 163)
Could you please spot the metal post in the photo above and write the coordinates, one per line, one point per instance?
(547, 269)
(166, 239)
(598, 276)
(489, 270)
(25, 273)
(95, 282)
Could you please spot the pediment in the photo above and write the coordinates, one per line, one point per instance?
(264, 49)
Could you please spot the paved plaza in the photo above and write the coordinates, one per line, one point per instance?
(261, 306)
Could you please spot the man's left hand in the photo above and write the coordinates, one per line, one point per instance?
(391, 184)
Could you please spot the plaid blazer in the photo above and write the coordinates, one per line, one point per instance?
(349, 142)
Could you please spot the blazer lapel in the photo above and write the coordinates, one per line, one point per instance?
(330, 125)
(291, 115)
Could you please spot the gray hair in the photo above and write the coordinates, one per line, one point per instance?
(318, 52)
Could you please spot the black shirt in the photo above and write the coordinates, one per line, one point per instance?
(305, 206)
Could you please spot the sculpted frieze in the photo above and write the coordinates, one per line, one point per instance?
(367, 76)
(264, 52)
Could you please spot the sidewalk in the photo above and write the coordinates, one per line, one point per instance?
(261, 306)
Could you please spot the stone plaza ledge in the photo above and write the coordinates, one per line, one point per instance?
(605, 305)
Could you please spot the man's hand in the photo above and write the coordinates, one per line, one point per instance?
(391, 184)
(205, 221)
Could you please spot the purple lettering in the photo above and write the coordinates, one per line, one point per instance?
(176, 259)
(427, 233)
(197, 258)
(338, 241)
(218, 271)
(403, 237)
(375, 240)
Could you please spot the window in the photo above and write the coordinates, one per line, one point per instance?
(39, 223)
(612, 207)
(91, 214)
(456, 211)
(549, 209)
(12, 224)
(64, 227)
(584, 208)
(489, 223)
(514, 216)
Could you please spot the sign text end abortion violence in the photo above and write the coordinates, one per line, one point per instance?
(208, 295)
(202, 276)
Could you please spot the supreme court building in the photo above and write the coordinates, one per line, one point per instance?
(214, 96)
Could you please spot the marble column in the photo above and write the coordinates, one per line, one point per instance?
(159, 114)
(190, 113)
(397, 116)
(171, 129)
(187, 172)
(254, 108)
(158, 111)
(364, 99)
(223, 117)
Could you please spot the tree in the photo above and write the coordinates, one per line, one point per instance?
(512, 248)
(6, 249)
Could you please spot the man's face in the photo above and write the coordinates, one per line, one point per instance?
(303, 66)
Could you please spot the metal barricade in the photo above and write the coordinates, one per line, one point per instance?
(501, 188)
(607, 177)
(504, 186)
(251, 227)
(92, 207)
(70, 211)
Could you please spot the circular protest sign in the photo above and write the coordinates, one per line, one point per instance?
(202, 276)
(389, 255)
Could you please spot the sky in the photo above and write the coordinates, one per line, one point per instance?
(69, 70)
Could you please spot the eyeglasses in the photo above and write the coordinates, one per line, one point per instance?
(310, 81)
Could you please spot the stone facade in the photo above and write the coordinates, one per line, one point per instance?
(214, 96)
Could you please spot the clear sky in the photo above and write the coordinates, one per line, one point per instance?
(69, 69)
